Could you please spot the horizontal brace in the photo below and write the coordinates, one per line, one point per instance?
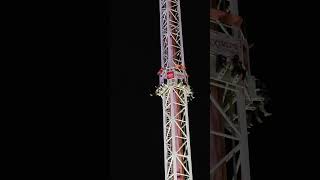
(224, 135)
(181, 155)
(228, 83)
(222, 86)
(185, 175)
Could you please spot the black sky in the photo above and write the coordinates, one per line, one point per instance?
(81, 75)
(280, 146)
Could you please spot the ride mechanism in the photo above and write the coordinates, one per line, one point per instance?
(175, 93)
(236, 102)
(234, 94)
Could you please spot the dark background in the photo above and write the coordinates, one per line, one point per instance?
(61, 89)
(283, 57)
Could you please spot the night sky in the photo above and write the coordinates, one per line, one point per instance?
(135, 126)
(280, 146)
(81, 75)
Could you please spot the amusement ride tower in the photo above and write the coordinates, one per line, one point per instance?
(175, 93)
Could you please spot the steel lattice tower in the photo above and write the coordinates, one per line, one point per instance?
(175, 92)
(233, 95)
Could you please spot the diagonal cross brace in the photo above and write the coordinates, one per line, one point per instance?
(224, 115)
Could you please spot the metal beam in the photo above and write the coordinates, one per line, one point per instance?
(225, 158)
(222, 86)
(244, 148)
(224, 115)
(224, 135)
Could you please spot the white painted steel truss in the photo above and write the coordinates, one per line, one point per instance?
(176, 136)
(171, 34)
(175, 92)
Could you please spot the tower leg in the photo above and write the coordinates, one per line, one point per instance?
(244, 148)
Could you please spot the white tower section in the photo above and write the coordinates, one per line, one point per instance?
(174, 91)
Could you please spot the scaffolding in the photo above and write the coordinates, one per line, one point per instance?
(233, 94)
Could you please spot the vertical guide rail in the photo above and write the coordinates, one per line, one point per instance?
(244, 148)
(174, 90)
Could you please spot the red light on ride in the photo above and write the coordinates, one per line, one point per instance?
(170, 75)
